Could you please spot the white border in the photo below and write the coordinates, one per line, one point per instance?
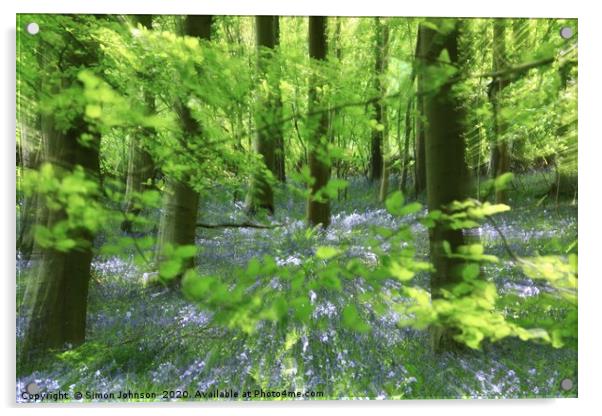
(589, 207)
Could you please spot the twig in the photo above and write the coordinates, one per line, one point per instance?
(239, 225)
(504, 241)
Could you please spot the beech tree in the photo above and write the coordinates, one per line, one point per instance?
(318, 205)
(269, 143)
(446, 170)
(181, 200)
(140, 170)
(500, 148)
(55, 299)
(419, 136)
(376, 144)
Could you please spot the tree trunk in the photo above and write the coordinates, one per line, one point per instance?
(336, 122)
(28, 158)
(318, 208)
(279, 155)
(140, 172)
(181, 201)
(178, 222)
(55, 299)
(419, 137)
(500, 153)
(406, 145)
(447, 172)
(269, 132)
(386, 158)
(376, 144)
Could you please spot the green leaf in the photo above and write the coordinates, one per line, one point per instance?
(470, 271)
(302, 308)
(65, 244)
(401, 273)
(93, 111)
(352, 319)
(410, 208)
(395, 202)
(277, 310)
(185, 251)
(195, 286)
(327, 252)
(170, 269)
(253, 267)
(502, 181)
(151, 198)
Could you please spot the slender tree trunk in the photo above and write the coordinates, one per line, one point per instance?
(56, 295)
(181, 201)
(318, 207)
(386, 157)
(279, 155)
(406, 145)
(376, 144)
(268, 137)
(336, 121)
(28, 158)
(141, 168)
(500, 154)
(447, 173)
(178, 222)
(419, 136)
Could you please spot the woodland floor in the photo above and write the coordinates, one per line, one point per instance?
(153, 339)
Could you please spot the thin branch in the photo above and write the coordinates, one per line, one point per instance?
(504, 241)
(454, 79)
(507, 246)
(518, 69)
(239, 225)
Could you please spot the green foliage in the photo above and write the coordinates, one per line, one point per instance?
(72, 193)
(174, 260)
(470, 307)
(352, 319)
(222, 89)
(561, 274)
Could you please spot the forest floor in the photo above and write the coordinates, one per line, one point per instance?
(151, 339)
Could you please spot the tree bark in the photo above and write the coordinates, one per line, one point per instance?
(406, 145)
(500, 152)
(267, 140)
(141, 168)
(447, 173)
(56, 295)
(280, 155)
(181, 201)
(419, 137)
(28, 158)
(376, 143)
(318, 209)
(385, 157)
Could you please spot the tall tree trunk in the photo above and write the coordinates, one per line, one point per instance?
(376, 143)
(386, 158)
(55, 299)
(141, 168)
(335, 124)
(279, 155)
(500, 152)
(28, 158)
(268, 137)
(419, 136)
(406, 145)
(318, 208)
(181, 201)
(447, 172)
